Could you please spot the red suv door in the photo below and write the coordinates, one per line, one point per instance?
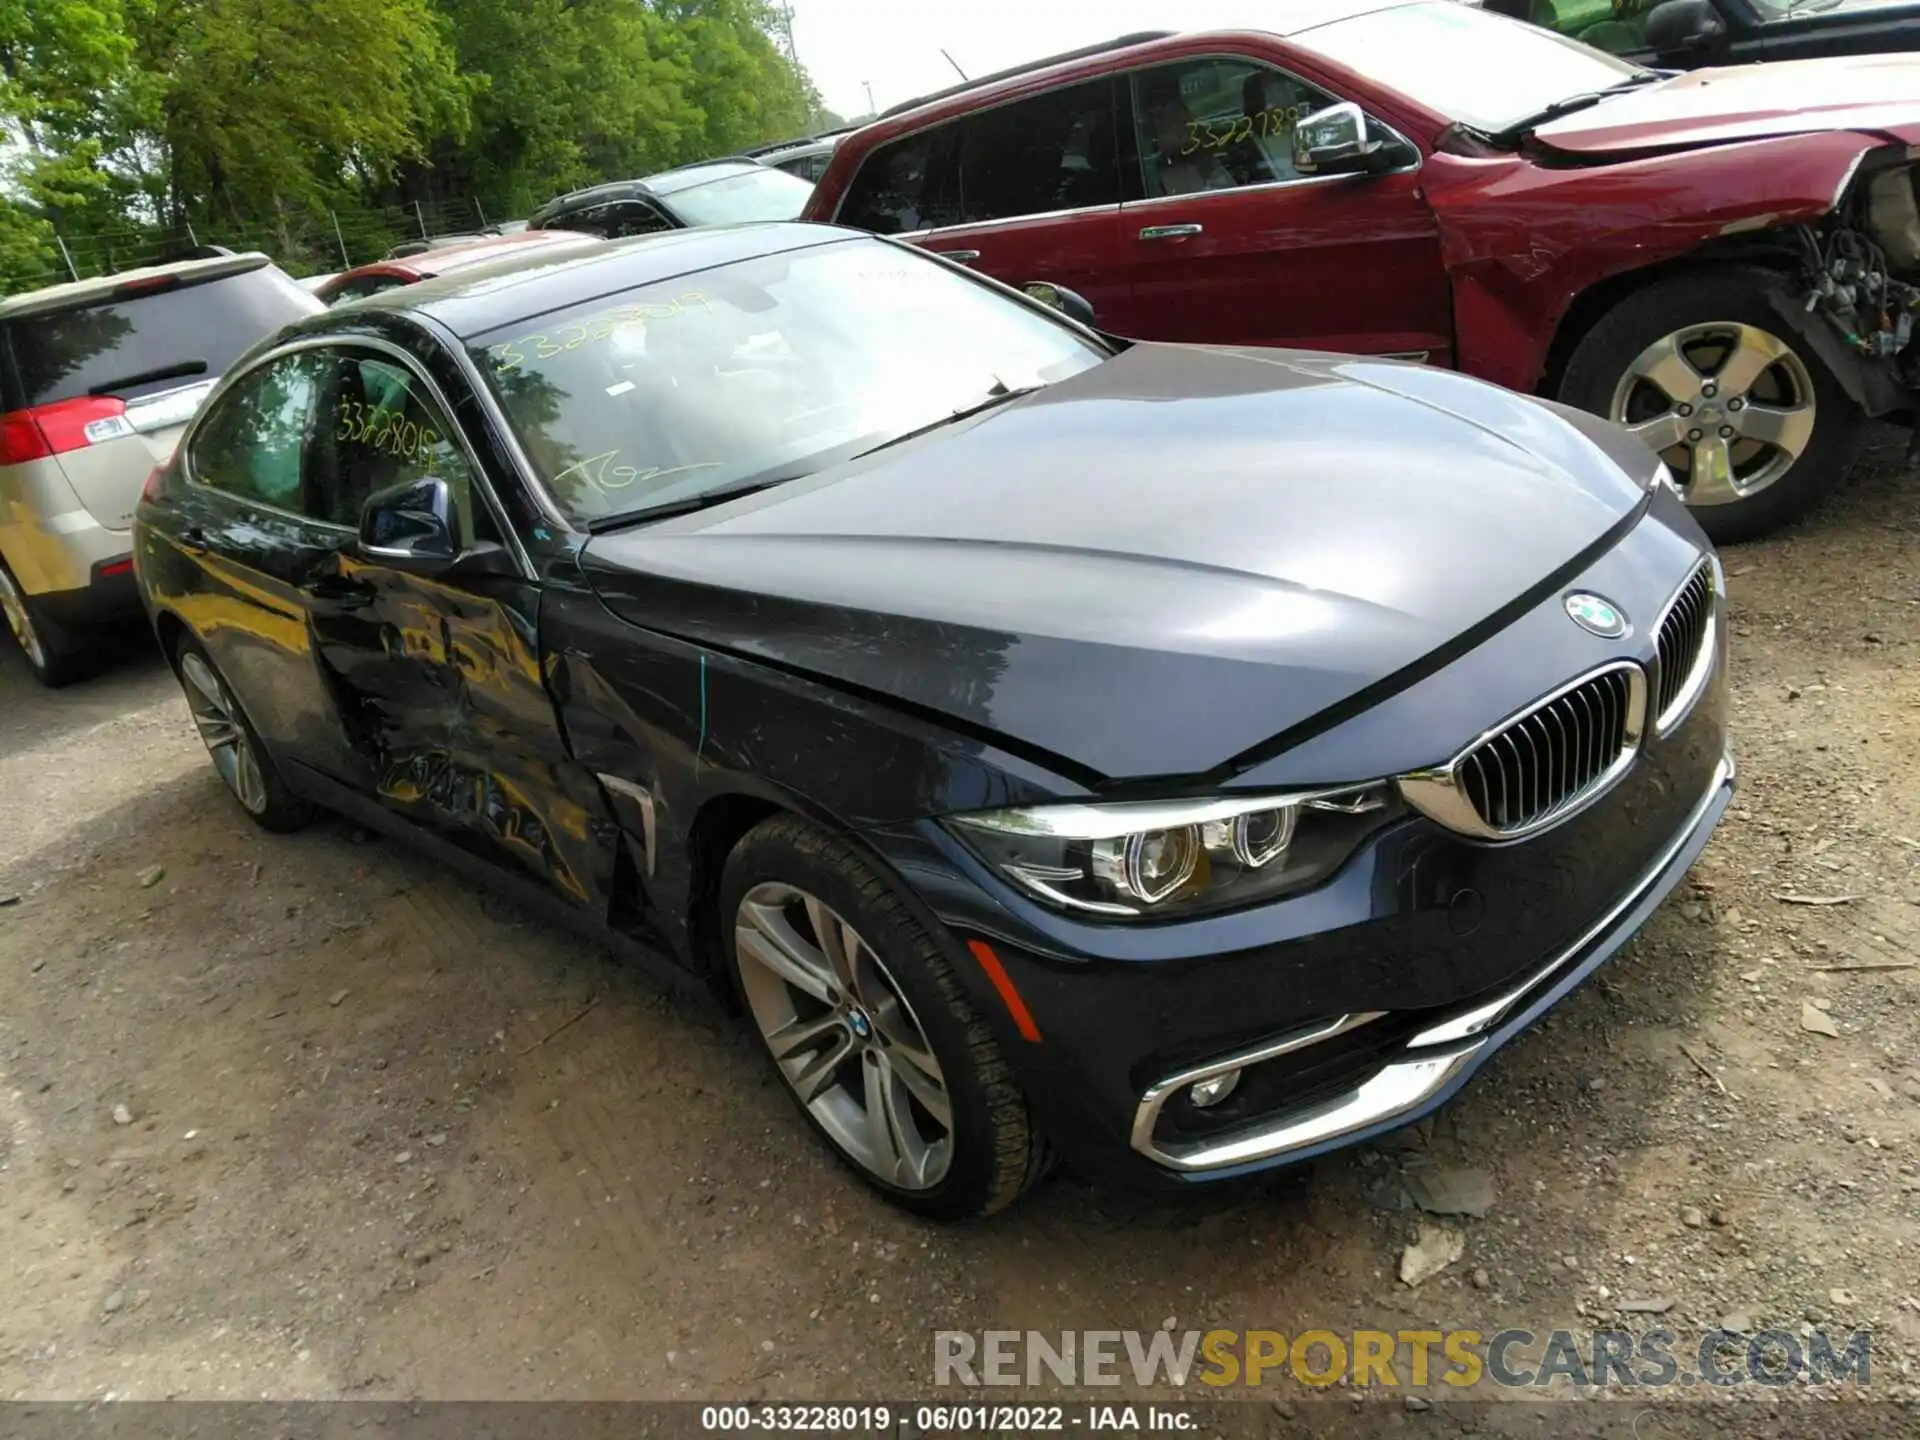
(1231, 244)
(1025, 191)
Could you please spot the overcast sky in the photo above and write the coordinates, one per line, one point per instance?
(896, 44)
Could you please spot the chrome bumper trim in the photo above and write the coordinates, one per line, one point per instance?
(1431, 1061)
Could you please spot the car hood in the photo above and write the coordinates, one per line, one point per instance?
(1878, 94)
(1149, 568)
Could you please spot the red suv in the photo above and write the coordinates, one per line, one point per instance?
(1727, 262)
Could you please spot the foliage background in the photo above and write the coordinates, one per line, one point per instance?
(134, 128)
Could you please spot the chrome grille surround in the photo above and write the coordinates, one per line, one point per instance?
(1688, 634)
(1542, 765)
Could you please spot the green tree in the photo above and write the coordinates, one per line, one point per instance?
(270, 103)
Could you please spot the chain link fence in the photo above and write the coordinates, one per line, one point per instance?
(300, 242)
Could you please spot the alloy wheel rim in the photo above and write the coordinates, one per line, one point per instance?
(843, 1036)
(14, 605)
(1729, 407)
(218, 720)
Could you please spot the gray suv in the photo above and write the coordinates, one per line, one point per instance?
(97, 378)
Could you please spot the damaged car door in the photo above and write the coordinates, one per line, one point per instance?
(432, 638)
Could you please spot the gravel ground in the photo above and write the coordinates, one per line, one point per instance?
(297, 1117)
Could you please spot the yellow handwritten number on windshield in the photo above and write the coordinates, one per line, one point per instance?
(511, 355)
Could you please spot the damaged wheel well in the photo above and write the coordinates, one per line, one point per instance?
(1771, 250)
(719, 826)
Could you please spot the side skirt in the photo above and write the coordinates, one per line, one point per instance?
(659, 966)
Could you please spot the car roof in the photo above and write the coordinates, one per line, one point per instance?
(78, 293)
(1291, 17)
(665, 183)
(672, 182)
(474, 250)
(537, 280)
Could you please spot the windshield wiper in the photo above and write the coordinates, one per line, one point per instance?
(1000, 394)
(766, 480)
(691, 504)
(1570, 103)
(147, 377)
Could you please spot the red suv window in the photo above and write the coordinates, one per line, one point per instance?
(905, 186)
(1053, 152)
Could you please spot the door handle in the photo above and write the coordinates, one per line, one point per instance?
(1170, 232)
(964, 257)
(341, 593)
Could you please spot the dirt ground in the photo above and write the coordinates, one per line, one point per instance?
(299, 1116)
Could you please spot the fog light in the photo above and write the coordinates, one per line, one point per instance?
(1212, 1092)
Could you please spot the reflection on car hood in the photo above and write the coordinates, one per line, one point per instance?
(1151, 567)
(1873, 93)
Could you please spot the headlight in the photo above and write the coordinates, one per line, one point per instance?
(1176, 857)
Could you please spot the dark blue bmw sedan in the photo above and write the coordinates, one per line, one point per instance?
(1183, 760)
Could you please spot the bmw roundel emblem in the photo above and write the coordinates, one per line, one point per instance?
(1596, 616)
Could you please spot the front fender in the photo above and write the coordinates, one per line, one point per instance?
(1523, 238)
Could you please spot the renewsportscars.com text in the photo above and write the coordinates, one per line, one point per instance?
(1510, 1359)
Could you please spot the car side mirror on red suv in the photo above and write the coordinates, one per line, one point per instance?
(1685, 27)
(1334, 140)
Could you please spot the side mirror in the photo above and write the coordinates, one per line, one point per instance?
(410, 521)
(1684, 27)
(1334, 139)
(1069, 303)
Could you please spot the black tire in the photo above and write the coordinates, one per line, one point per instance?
(996, 1153)
(55, 655)
(1734, 296)
(279, 810)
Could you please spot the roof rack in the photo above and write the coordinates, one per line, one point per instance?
(1139, 37)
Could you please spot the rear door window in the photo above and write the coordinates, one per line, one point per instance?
(145, 343)
(905, 186)
(252, 445)
(1053, 152)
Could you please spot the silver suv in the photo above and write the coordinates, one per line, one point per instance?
(97, 378)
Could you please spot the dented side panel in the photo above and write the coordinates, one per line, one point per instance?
(441, 688)
(1521, 240)
(675, 728)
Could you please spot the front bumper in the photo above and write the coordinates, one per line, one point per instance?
(1359, 1005)
(1436, 1060)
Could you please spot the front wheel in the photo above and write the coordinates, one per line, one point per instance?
(868, 1027)
(1753, 425)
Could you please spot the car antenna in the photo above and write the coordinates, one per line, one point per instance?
(956, 65)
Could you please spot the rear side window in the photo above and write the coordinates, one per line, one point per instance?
(1053, 152)
(363, 285)
(147, 343)
(904, 186)
(252, 444)
(808, 167)
(613, 221)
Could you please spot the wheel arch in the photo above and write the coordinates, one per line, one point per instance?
(720, 824)
(1772, 250)
(168, 630)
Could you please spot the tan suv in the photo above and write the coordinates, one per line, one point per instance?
(97, 378)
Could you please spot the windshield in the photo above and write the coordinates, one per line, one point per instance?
(1472, 66)
(767, 368)
(765, 194)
